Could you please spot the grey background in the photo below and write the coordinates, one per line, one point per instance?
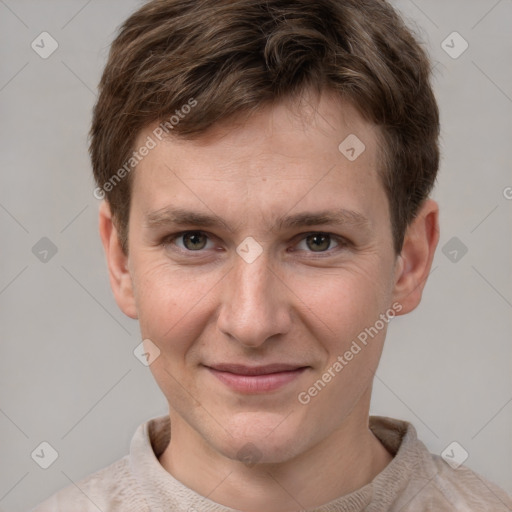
(67, 372)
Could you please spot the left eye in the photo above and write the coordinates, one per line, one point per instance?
(317, 242)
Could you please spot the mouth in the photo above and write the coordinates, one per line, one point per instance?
(256, 379)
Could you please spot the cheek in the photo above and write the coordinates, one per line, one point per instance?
(175, 304)
(348, 309)
(342, 302)
(173, 308)
(347, 306)
(172, 303)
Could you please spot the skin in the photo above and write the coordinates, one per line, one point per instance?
(296, 303)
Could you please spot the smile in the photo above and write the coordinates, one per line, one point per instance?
(258, 379)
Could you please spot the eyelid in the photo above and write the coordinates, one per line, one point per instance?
(167, 240)
(342, 241)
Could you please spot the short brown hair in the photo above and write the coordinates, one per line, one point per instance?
(235, 56)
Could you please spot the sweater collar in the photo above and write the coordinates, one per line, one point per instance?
(163, 492)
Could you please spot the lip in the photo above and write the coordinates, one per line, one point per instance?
(256, 379)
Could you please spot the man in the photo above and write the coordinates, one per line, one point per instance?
(266, 168)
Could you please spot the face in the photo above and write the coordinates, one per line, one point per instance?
(263, 244)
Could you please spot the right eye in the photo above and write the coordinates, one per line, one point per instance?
(191, 241)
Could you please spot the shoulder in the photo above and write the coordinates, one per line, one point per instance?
(417, 479)
(465, 490)
(111, 489)
(433, 485)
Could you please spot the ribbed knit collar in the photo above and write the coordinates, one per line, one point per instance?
(165, 494)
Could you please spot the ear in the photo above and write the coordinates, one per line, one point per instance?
(415, 260)
(120, 278)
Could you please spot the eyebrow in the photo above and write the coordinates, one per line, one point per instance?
(183, 217)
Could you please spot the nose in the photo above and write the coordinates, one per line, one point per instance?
(255, 303)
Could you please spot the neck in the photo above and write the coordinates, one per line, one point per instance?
(343, 462)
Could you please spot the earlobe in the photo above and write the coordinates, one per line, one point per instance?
(415, 261)
(120, 277)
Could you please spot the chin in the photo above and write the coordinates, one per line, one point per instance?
(267, 439)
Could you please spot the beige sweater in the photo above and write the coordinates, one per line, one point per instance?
(414, 480)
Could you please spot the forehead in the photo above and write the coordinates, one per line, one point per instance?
(311, 150)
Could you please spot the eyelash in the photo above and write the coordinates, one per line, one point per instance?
(342, 242)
